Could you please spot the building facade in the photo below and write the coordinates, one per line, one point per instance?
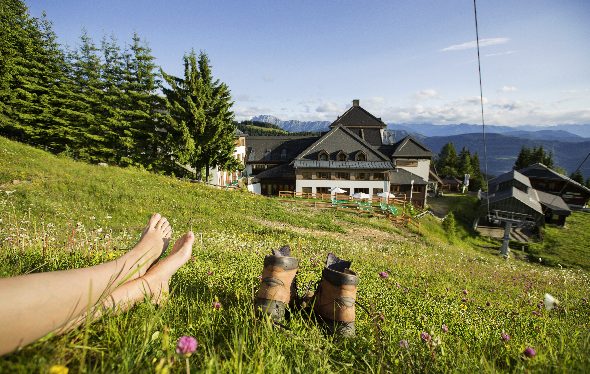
(357, 154)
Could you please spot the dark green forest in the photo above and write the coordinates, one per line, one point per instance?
(108, 102)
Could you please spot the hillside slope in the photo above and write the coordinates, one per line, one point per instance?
(56, 213)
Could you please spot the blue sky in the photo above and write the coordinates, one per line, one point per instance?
(407, 61)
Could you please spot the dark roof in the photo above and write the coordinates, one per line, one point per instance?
(285, 171)
(400, 177)
(371, 135)
(356, 116)
(258, 146)
(451, 180)
(384, 165)
(529, 199)
(433, 177)
(541, 171)
(339, 139)
(511, 175)
(411, 148)
(554, 203)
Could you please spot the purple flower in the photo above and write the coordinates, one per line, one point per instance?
(505, 337)
(210, 273)
(384, 275)
(530, 352)
(465, 292)
(404, 343)
(425, 336)
(444, 328)
(216, 305)
(488, 303)
(464, 300)
(186, 345)
(536, 313)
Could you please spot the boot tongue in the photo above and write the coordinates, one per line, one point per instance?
(284, 251)
(337, 264)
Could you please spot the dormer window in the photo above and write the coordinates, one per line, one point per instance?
(341, 156)
(360, 156)
(323, 156)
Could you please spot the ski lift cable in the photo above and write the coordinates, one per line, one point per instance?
(483, 126)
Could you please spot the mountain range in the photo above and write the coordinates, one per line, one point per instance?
(569, 143)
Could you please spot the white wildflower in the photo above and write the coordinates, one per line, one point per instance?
(550, 302)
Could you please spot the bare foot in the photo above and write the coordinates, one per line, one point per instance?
(153, 242)
(157, 279)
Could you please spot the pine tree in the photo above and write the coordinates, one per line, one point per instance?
(199, 121)
(528, 156)
(447, 163)
(477, 179)
(465, 166)
(144, 107)
(577, 176)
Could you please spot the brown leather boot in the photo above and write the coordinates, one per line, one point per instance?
(278, 287)
(336, 296)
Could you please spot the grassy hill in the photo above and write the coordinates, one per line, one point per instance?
(56, 213)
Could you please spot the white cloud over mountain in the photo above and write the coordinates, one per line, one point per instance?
(473, 44)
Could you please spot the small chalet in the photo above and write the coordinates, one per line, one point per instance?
(547, 180)
(357, 154)
(511, 196)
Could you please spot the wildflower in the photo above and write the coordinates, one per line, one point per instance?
(58, 369)
(444, 328)
(108, 217)
(404, 344)
(465, 292)
(186, 345)
(530, 352)
(536, 313)
(209, 273)
(216, 305)
(464, 300)
(505, 337)
(550, 302)
(488, 303)
(425, 336)
(384, 275)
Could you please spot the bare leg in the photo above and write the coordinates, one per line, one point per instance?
(33, 305)
(153, 285)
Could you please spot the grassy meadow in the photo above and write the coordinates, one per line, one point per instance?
(58, 214)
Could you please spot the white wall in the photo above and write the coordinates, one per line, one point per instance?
(300, 183)
(255, 188)
(422, 170)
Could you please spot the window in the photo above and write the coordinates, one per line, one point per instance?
(324, 190)
(284, 154)
(323, 175)
(307, 175)
(257, 168)
(306, 189)
(323, 156)
(342, 175)
(377, 191)
(361, 156)
(363, 190)
(341, 156)
(406, 163)
(363, 176)
(379, 176)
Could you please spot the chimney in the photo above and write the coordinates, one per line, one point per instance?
(355, 102)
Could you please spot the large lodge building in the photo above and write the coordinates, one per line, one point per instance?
(357, 154)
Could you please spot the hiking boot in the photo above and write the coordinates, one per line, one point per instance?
(336, 296)
(278, 287)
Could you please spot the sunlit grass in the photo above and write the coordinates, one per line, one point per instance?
(63, 214)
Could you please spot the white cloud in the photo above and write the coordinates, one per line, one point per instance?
(426, 94)
(499, 53)
(328, 107)
(473, 44)
(508, 89)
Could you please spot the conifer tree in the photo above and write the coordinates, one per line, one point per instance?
(577, 176)
(199, 120)
(447, 163)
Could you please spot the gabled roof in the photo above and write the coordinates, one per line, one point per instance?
(341, 139)
(554, 202)
(356, 116)
(529, 199)
(511, 175)
(403, 177)
(409, 147)
(433, 177)
(257, 147)
(541, 171)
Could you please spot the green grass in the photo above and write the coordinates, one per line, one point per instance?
(567, 246)
(58, 214)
